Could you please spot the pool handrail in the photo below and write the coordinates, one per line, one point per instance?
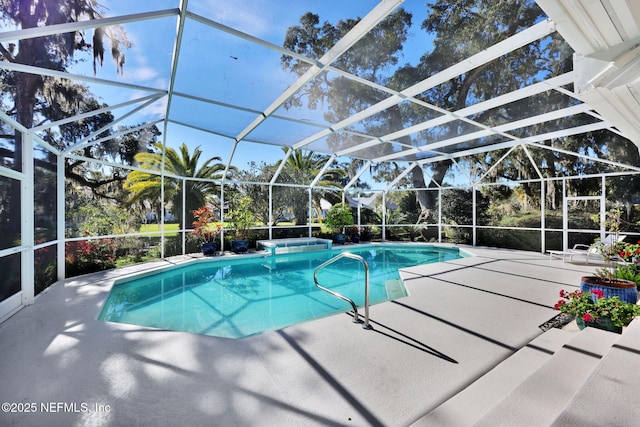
(356, 319)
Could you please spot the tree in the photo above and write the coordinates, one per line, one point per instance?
(259, 193)
(461, 29)
(302, 167)
(369, 58)
(147, 186)
(54, 52)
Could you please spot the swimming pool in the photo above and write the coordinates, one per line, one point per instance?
(236, 297)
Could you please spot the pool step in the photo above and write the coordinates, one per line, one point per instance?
(395, 289)
(542, 397)
(610, 393)
(473, 402)
(554, 380)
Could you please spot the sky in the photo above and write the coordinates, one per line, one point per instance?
(244, 73)
(216, 65)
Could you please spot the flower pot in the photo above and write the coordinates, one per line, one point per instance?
(626, 290)
(208, 248)
(355, 238)
(339, 239)
(239, 246)
(605, 323)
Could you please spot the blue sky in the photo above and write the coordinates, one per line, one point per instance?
(240, 72)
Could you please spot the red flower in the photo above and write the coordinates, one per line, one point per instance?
(586, 317)
(598, 293)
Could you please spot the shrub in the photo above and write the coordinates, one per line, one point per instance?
(88, 256)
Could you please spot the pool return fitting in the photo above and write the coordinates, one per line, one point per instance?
(356, 319)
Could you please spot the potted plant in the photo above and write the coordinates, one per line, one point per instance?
(339, 217)
(606, 278)
(595, 310)
(206, 229)
(630, 253)
(242, 220)
(355, 234)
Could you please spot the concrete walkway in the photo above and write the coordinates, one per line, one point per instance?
(462, 318)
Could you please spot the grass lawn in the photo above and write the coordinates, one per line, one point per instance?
(170, 229)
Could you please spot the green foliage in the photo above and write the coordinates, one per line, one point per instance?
(147, 186)
(338, 217)
(628, 272)
(409, 207)
(45, 267)
(101, 219)
(259, 193)
(457, 206)
(302, 167)
(241, 217)
(593, 307)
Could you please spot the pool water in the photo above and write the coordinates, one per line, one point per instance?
(236, 297)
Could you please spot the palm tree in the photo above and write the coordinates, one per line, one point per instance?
(302, 168)
(147, 186)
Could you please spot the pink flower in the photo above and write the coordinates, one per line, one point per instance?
(586, 317)
(598, 293)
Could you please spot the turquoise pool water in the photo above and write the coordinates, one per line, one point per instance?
(236, 297)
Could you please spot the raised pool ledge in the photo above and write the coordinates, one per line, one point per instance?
(298, 244)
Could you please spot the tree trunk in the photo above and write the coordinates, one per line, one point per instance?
(428, 200)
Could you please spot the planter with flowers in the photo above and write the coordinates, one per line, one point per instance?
(206, 229)
(606, 279)
(630, 252)
(593, 309)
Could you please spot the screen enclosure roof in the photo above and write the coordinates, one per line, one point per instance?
(220, 70)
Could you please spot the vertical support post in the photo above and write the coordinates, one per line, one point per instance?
(439, 215)
(565, 216)
(183, 233)
(161, 223)
(543, 218)
(310, 213)
(60, 217)
(474, 212)
(603, 208)
(27, 224)
(270, 211)
(384, 215)
(359, 211)
(222, 215)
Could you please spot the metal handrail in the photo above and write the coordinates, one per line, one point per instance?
(356, 319)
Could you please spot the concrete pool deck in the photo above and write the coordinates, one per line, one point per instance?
(462, 318)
